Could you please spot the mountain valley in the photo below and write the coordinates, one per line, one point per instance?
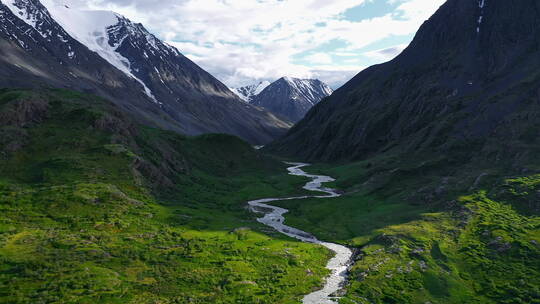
(129, 174)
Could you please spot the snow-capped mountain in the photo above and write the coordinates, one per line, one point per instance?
(101, 52)
(101, 32)
(248, 92)
(36, 51)
(292, 98)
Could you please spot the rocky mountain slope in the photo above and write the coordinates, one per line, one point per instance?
(291, 98)
(106, 54)
(466, 85)
(442, 200)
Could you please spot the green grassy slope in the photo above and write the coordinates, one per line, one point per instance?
(97, 209)
(430, 231)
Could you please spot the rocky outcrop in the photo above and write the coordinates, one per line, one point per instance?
(15, 116)
(24, 112)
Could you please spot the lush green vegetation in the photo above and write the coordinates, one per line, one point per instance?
(427, 232)
(97, 209)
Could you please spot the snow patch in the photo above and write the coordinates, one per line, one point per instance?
(309, 89)
(261, 86)
(248, 92)
(91, 28)
(20, 11)
(159, 75)
(481, 5)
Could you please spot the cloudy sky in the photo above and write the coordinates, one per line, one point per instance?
(245, 41)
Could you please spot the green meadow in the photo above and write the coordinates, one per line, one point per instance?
(98, 209)
(422, 237)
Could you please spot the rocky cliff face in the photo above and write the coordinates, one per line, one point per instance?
(468, 83)
(292, 98)
(106, 54)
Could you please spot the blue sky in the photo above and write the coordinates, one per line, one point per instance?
(245, 41)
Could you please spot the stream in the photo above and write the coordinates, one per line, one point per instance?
(273, 217)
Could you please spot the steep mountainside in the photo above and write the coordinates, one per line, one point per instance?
(467, 84)
(35, 50)
(248, 92)
(292, 98)
(442, 201)
(106, 54)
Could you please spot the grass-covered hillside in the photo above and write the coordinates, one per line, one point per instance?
(95, 208)
(431, 230)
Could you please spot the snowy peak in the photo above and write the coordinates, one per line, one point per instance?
(311, 90)
(46, 42)
(247, 93)
(61, 26)
(292, 98)
(160, 68)
(102, 32)
(33, 13)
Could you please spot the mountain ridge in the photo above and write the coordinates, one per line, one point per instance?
(171, 91)
(286, 97)
(450, 88)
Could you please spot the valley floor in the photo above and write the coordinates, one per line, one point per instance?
(95, 243)
(481, 245)
(274, 217)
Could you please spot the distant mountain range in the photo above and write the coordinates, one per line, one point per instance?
(466, 85)
(289, 98)
(103, 53)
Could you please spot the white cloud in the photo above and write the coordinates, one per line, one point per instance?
(387, 53)
(319, 58)
(241, 41)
